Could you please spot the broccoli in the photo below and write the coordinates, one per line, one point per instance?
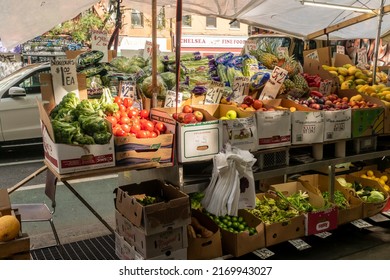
(102, 137)
(83, 139)
(65, 132)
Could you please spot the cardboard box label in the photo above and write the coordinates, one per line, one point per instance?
(241, 132)
(274, 129)
(307, 127)
(338, 125)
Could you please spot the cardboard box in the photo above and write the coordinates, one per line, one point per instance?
(355, 210)
(5, 203)
(369, 209)
(273, 127)
(204, 248)
(338, 125)
(280, 232)
(171, 213)
(238, 244)
(130, 150)
(149, 246)
(16, 246)
(197, 141)
(65, 158)
(322, 55)
(316, 221)
(308, 125)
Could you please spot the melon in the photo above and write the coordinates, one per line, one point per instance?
(9, 227)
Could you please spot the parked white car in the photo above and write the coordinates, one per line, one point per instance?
(19, 115)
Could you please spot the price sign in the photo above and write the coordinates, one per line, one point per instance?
(362, 56)
(379, 218)
(170, 99)
(299, 244)
(323, 235)
(214, 93)
(282, 52)
(64, 77)
(313, 55)
(272, 86)
(250, 45)
(387, 213)
(240, 87)
(127, 89)
(340, 49)
(326, 87)
(361, 223)
(99, 42)
(263, 253)
(149, 49)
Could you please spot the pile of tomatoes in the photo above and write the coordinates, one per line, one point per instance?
(129, 120)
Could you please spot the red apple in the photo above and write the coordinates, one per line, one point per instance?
(187, 109)
(248, 100)
(189, 118)
(175, 115)
(257, 104)
(180, 117)
(198, 115)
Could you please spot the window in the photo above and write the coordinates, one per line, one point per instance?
(211, 22)
(186, 21)
(235, 25)
(137, 18)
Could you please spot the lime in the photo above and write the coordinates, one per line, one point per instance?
(240, 219)
(234, 219)
(241, 227)
(235, 224)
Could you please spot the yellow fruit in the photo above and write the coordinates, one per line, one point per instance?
(370, 173)
(380, 181)
(364, 176)
(387, 97)
(342, 71)
(9, 227)
(384, 178)
(387, 188)
(360, 82)
(357, 97)
(352, 70)
(293, 109)
(333, 72)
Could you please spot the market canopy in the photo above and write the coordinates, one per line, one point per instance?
(26, 19)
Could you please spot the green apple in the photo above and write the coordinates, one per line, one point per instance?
(231, 114)
(224, 118)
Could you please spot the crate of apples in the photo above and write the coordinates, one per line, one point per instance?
(129, 120)
(188, 115)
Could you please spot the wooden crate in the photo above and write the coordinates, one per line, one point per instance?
(14, 249)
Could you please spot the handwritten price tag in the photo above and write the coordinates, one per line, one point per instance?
(170, 99)
(99, 42)
(361, 223)
(272, 86)
(362, 56)
(263, 253)
(214, 93)
(64, 76)
(282, 52)
(299, 244)
(323, 234)
(340, 49)
(313, 55)
(240, 87)
(326, 87)
(127, 89)
(250, 45)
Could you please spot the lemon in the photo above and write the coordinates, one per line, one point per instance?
(380, 181)
(9, 227)
(384, 178)
(370, 173)
(386, 188)
(363, 176)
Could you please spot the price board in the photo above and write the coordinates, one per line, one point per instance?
(64, 76)
(250, 45)
(240, 87)
(323, 234)
(170, 99)
(299, 244)
(127, 89)
(282, 52)
(326, 87)
(362, 56)
(214, 93)
(360, 223)
(99, 42)
(263, 253)
(272, 86)
(340, 49)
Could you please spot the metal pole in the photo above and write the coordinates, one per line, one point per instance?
(378, 36)
(179, 16)
(154, 53)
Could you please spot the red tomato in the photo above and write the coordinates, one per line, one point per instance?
(122, 108)
(135, 128)
(144, 114)
(118, 100)
(153, 134)
(132, 113)
(148, 125)
(119, 132)
(135, 121)
(160, 127)
(126, 127)
(124, 120)
(112, 120)
(142, 134)
(117, 115)
(156, 131)
(128, 102)
(123, 114)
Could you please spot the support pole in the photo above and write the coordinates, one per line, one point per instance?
(154, 53)
(377, 41)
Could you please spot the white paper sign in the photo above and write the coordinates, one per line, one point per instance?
(214, 93)
(149, 49)
(250, 45)
(170, 99)
(64, 76)
(361, 223)
(379, 218)
(263, 253)
(323, 234)
(387, 213)
(326, 87)
(272, 86)
(99, 42)
(299, 244)
(340, 49)
(282, 52)
(127, 89)
(362, 56)
(313, 55)
(240, 87)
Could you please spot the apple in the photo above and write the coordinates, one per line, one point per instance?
(198, 115)
(187, 109)
(257, 104)
(175, 115)
(190, 118)
(180, 117)
(243, 105)
(231, 114)
(248, 100)
(224, 118)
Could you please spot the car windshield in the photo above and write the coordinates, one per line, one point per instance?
(10, 79)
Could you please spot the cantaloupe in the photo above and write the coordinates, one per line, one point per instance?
(9, 227)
